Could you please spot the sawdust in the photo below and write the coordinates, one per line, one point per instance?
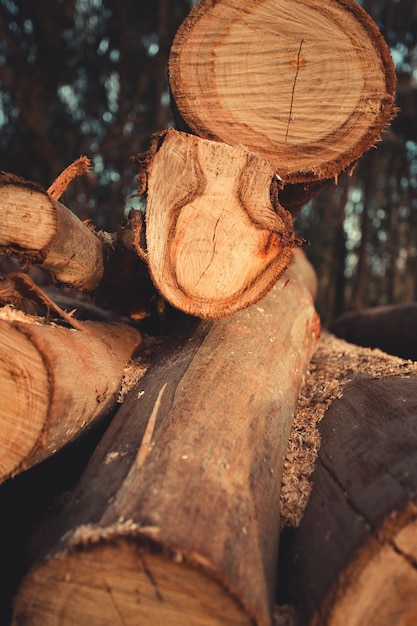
(137, 367)
(333, 365)
(132, 374)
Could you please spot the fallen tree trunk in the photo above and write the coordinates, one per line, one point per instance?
(55, 383)
(176, 518)
(37, 229)
(307, 85)
(352, 560)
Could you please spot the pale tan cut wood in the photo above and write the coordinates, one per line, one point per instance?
(214, 241)
(36, 228)
(176, 518)
(306, 84)
(54, 383)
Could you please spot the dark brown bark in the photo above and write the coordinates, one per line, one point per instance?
(352, 561)
(390, 328)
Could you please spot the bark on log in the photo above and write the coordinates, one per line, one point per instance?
(353, 559)
(55, 382)
(176, 519)
(37, 229)
(216, 241)
(307, 84)
(389, 328)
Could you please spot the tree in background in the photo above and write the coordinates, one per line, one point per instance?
(84, 77)
(364, 231)
(89, 77)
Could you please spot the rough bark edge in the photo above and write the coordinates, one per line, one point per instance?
(332, 168)
(334, 364)
(48, 257)
(87, 537)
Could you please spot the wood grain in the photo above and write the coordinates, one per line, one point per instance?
(215, 242)
(176, 519)
(307, 84)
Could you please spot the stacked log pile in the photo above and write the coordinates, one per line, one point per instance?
(176, 518)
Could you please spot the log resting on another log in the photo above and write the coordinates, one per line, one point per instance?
(176, 518)
(307, 85)
(37, 229)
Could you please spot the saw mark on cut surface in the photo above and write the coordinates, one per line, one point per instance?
(297, 69)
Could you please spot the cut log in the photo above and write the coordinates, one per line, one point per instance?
(37, 229)
(176, 518)
(55, 383)
(353, 559)
(215, 240)
(390, 328)
(307, 84)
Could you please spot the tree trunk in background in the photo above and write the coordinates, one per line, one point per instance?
(362, 263)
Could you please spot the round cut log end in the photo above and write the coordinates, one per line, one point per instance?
(216, 242)
(307, 85)
(123, 582)
(28, 221)
(24, 398)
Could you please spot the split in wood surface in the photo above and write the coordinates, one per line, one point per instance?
(215, 240)
(307, 84)
(176, 518)
(55, 382)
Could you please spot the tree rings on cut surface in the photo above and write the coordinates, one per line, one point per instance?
(306, 84)
(215, 240)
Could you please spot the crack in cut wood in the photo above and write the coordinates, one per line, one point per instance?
(293, 89)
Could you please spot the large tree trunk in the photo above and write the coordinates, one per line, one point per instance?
(352, 560)
(306, 84)
(55, 382)
(176, 519)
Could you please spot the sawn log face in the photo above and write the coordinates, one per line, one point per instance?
(307, 84)
(215, 242)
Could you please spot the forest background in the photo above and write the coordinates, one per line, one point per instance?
(88, 77)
